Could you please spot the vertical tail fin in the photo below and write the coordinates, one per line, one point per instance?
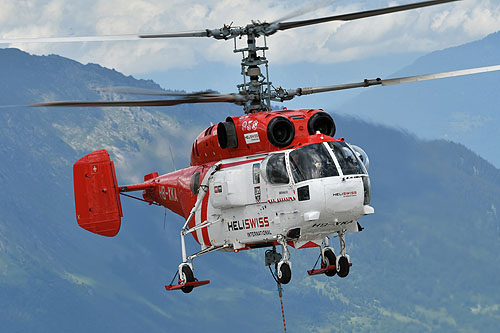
(97, 199)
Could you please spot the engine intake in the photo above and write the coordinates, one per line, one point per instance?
(226, 134)
(280, 131)
(321, 122)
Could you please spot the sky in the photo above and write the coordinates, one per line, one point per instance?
(199, 63)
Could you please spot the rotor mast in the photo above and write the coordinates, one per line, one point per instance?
(254, 81)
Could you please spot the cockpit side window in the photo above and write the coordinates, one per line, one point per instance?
(276, 169)
(310, 162)
(348, 161)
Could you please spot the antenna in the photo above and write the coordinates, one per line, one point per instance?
(172, 156)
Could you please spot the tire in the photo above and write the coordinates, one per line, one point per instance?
(189, 276)
(343, 269)
(330, 259)
(286, 273)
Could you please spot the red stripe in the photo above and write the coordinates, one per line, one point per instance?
(309, 245)
(228, 165)
(191, 224)
(204, 231)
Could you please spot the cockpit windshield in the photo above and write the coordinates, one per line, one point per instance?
(310, 162)
(349, 162)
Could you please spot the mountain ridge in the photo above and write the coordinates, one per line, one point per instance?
(462, 109)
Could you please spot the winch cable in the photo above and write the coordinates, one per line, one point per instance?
(280, 292)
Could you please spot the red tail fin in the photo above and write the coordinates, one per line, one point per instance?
(97, 200)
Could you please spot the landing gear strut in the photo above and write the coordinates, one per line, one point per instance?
(342, 264)
(284, 266)
(187, 281)
(281, 262)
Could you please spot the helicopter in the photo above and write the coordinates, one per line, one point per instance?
(267, 179)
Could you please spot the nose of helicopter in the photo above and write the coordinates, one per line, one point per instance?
(333, 200)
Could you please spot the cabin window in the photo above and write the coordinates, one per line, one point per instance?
(256, 173)
(311, 162)
(276, 169)
(195, 183)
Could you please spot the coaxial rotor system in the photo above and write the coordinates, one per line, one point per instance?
(256, 92)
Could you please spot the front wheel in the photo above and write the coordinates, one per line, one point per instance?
(188, 276)
(329, 259)
(284, 273)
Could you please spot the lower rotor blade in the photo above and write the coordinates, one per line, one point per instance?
(139, 91)
(394, 81)
(165, 102)
(442, 75)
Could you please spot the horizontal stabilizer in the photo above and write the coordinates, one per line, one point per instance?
(97, 200)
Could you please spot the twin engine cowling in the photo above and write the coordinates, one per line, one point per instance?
(260, 132)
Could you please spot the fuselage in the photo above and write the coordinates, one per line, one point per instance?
(305, 193)
(254, 181)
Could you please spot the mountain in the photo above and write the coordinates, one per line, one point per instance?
(427, 260)
(463, 109)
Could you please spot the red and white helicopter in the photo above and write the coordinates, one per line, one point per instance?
(266, 179)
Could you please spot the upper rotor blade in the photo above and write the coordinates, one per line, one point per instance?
(302, 10)
(394, 81)
(360, 15)
(199, 33)
(103, 38)
(68, 39)
(223, 98)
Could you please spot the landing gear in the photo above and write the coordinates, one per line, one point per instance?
(281, 263)
(284, 267)
(343, 261)
(331, 264)
(187, 281)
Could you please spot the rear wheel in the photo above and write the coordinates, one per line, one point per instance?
(188, 276)
(329, 259)
(343, 269)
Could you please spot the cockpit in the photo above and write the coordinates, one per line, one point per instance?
(314, 161)
(350, 161)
